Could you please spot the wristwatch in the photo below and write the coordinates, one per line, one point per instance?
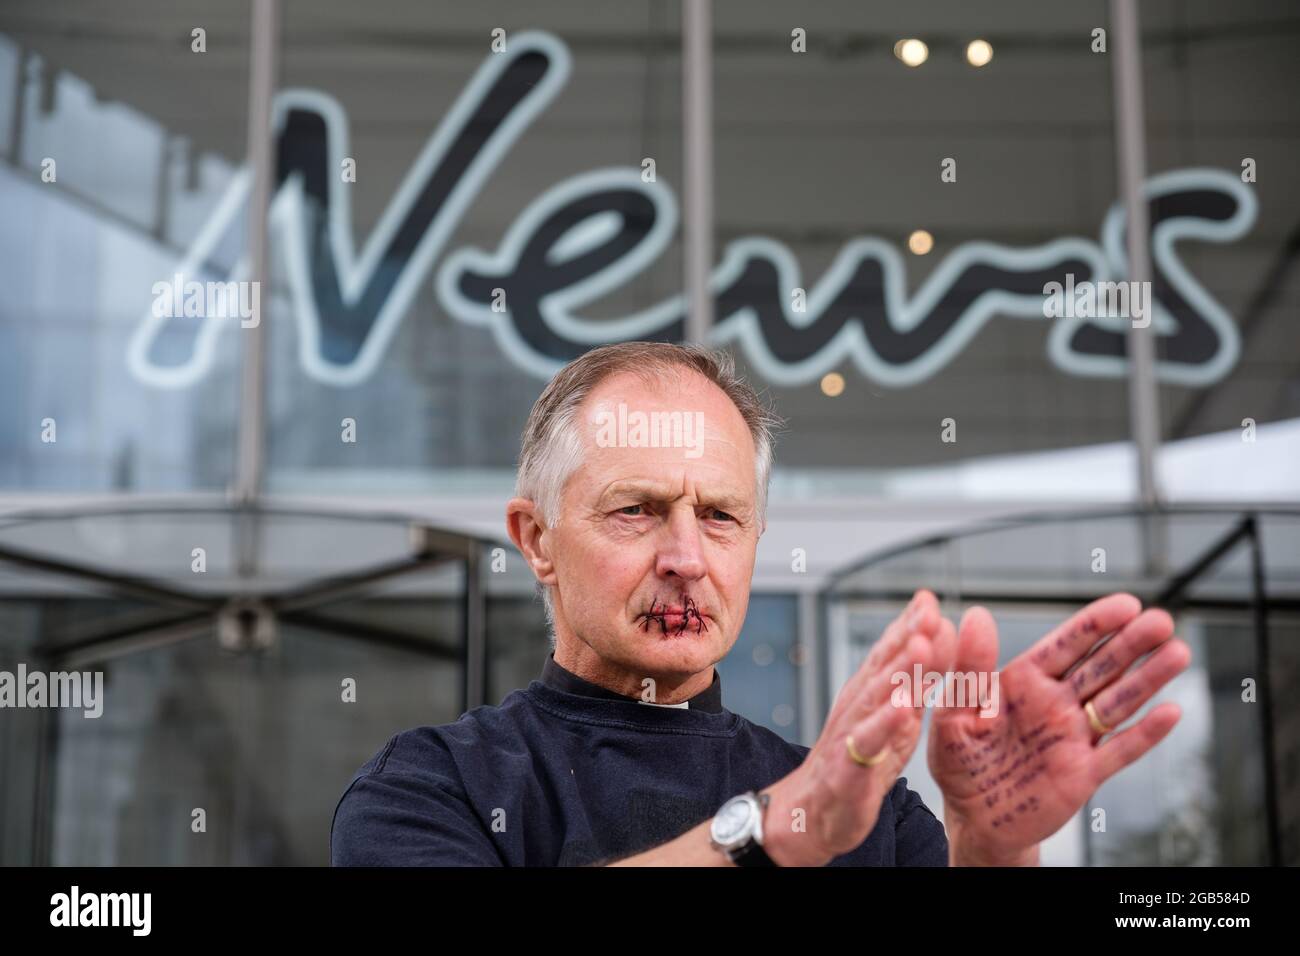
(737, 829)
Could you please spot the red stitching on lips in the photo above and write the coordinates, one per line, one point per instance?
(688, 611)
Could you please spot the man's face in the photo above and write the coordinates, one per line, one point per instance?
(655, 550)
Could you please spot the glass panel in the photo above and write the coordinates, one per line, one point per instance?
(517, 644)
(760, 679)
(1218, 81)
(263, 741)
(1197, 798)
(264, 745)
(829, 160)
(119, 151)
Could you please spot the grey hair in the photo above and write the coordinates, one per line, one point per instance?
(553, 442)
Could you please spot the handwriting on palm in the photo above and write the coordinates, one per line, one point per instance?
(1014, 778)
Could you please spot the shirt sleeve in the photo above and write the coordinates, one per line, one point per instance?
(919, 837)
(392, 818)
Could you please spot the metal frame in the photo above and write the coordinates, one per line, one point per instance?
(432, 547)
(697, 137)
(264, 32)
(1175, 596)
(1042, 517)
(1130, 145)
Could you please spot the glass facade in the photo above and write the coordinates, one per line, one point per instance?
(466, 196)
(116, 161)
(827, 162)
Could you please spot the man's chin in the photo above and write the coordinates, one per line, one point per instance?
(683, 650)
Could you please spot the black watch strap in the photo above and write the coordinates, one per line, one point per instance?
(752, 854)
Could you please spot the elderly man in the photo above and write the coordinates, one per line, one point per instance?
(622, 752)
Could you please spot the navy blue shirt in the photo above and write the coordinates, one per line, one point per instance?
(568, 773)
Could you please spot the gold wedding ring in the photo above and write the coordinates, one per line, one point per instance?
(1093, 719)
(858, 758)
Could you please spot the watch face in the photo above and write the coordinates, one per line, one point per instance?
(732, 821)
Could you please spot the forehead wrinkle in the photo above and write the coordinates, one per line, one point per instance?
(662, 491)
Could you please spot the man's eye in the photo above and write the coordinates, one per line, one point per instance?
(624, 510)
(725, 516)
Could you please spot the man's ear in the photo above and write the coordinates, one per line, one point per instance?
(526, 530)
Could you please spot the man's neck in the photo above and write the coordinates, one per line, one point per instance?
(579, 659)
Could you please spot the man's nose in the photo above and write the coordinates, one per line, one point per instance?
(681, 549)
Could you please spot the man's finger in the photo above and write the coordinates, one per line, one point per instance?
(1057, 652)
(972, 649)
(977, 641)
(879, 691)
(945, 647)
(1129, 745)
(883, 737)
(1124, 698)
(1109, 662)
(922, 613)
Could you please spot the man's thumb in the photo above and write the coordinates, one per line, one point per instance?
(977, 641)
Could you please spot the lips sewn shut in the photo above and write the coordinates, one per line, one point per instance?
(689, 613)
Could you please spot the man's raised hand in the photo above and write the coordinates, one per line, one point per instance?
(867, 740)
(1013, 779)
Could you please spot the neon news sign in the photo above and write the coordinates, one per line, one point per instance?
(596, 231)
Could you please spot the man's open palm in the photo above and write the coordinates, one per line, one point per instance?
(1011, 780)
